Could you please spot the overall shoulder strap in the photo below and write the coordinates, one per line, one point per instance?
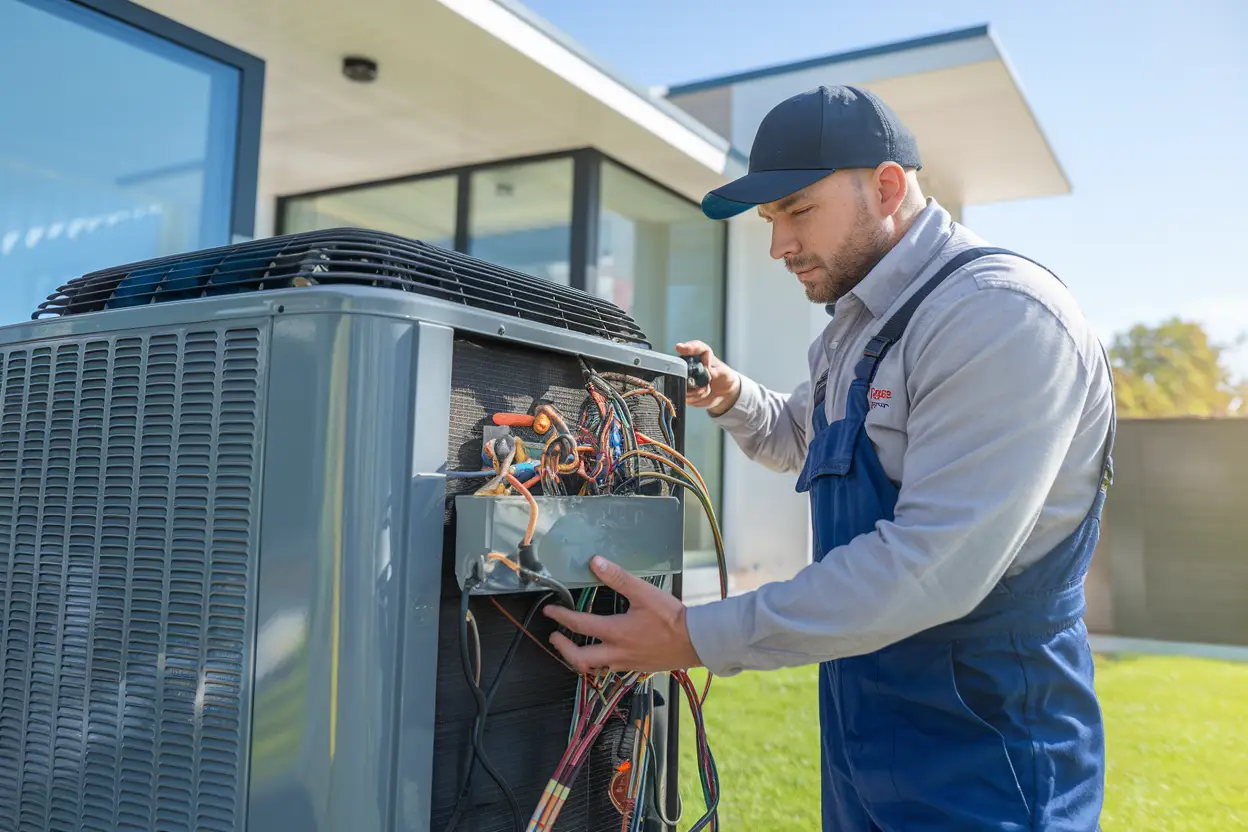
(895, 327)
(892, 330)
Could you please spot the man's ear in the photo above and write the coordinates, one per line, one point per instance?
(890, 187)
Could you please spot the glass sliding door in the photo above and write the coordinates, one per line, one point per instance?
(661, 260)
(422, 209)
(520, 216)
(120, 143)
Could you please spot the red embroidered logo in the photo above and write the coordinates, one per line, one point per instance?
(878, 394)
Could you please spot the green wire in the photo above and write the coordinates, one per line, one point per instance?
(706, 504)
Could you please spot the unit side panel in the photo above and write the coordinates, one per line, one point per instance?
(337, 476)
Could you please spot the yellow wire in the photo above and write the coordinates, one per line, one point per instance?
(702, 491)
(678, 456)
(719, 541)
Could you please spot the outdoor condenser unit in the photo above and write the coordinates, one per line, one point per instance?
(231, 560)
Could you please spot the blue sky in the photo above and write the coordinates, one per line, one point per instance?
(1145, 104)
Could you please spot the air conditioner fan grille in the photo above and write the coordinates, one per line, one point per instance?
(344, 256)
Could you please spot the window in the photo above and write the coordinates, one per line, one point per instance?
(422, 209)
(661, 260)
(123, 145)
(520, 216)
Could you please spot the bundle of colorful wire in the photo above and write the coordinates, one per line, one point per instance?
(595, 711)
(609, 456)
(632, 772)
(706, 762)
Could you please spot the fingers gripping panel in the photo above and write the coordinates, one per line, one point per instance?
(128, 486)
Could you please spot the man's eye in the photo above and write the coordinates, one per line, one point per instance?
(802, 210)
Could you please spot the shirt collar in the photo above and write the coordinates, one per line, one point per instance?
(905, 261)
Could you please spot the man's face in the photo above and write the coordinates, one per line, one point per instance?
(829, 234)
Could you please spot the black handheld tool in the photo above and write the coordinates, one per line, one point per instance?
(699, 376)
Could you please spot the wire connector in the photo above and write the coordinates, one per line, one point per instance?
(527, 559)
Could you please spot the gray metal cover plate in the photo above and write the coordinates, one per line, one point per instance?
(645, 535)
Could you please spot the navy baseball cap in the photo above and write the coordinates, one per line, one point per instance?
(809, 136)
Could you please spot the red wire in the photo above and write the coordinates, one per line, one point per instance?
(700, 728)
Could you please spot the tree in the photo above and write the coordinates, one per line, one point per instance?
(1239, 403)
(1172, 369)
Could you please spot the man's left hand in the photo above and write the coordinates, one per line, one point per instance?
(651, 636)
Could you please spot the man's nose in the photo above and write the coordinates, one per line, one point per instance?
(783, 243)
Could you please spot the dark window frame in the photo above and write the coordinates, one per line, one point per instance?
(251, 71)
(586, 206)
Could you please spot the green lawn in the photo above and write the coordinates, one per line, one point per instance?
(1177, 739)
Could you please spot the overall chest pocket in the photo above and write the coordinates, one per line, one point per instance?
(831, 452)
(826, 457)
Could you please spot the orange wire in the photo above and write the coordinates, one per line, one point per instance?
(663, 400)
(559, 466)
(518, 420)
(519, 486)
(505, 561)
(692, 470)
(599, 400)
(656, 457)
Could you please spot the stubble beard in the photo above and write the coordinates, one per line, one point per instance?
(845, 269)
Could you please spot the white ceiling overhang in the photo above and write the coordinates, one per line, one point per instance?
(459, 82)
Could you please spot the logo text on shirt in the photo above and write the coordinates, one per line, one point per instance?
(879, 396)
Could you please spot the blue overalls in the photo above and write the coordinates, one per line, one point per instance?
(989, 722)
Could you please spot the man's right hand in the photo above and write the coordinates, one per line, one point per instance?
(721, 394)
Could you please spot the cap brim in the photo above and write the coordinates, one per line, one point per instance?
(757, 188)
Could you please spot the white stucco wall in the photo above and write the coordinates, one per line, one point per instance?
(766, 523)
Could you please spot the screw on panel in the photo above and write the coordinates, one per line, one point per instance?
(281, 309)
(502, 330)
(637, 361)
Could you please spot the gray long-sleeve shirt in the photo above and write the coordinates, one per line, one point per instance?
(991, 412)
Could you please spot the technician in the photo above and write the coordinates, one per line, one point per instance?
(954, 438)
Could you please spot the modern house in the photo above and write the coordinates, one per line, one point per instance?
(136, 130)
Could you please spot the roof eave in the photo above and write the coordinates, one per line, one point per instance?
(590, 65)
(898, 68)
(876, 51)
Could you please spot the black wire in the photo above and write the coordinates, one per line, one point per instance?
(550, 583)
(484, 700)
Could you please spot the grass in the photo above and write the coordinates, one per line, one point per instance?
(1177, 743)
(1176, 737)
